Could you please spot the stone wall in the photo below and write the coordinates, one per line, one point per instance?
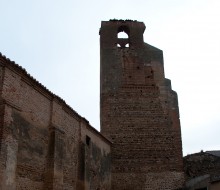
(40, 136)
(200, 164)
(139, 111)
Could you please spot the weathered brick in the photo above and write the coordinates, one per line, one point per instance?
(45, 144)
(41, 140)
(139, 111)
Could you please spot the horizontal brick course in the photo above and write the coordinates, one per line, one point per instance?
(40, 136)
(139, 112)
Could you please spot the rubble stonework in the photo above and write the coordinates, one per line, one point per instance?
(139, 111)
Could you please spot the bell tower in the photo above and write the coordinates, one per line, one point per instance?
(139, 110)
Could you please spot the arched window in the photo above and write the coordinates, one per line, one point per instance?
(123, 37)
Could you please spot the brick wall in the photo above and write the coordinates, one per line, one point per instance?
(41, 136)
(139, 111)
(45, 144)
(97, 157)
(1, 105)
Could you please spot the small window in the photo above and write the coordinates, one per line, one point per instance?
(88, 139)
(123, 37)
(122, 45)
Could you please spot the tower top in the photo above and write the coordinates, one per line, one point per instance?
(109, 33)
(121, 21)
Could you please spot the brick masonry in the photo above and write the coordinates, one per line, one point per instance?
(45, 144)
(139, 111)
(42, 138)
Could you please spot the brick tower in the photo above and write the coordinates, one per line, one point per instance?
(139, 111)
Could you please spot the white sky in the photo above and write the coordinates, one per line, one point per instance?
(57, 42)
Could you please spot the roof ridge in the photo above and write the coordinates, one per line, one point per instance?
(24, 71)
(8, 63)
(214, 152)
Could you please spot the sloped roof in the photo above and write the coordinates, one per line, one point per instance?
(214, 152)
(6, 62)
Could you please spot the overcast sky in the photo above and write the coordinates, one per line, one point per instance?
(57, 42)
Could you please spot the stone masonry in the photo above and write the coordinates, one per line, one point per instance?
(139, 111)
